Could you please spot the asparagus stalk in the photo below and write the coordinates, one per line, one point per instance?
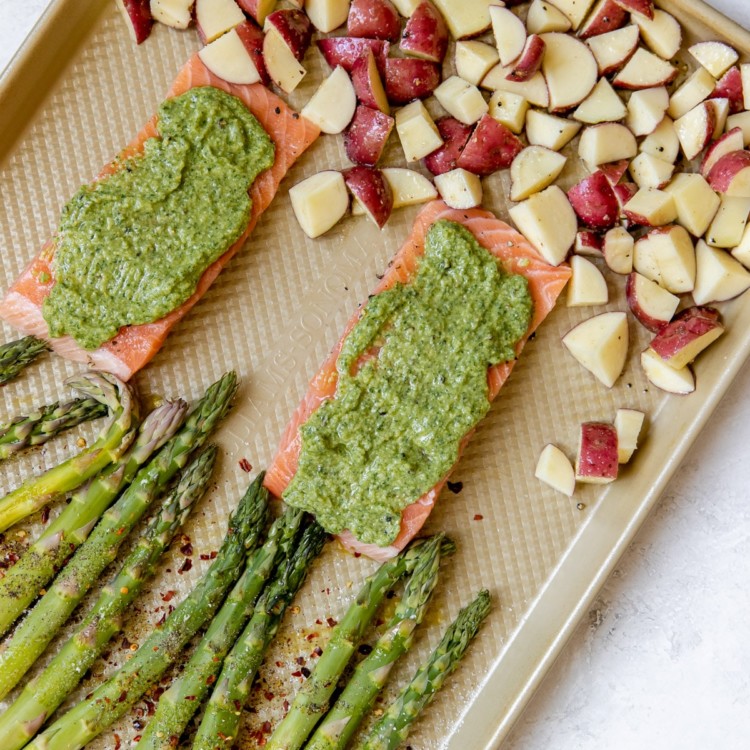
(48, 690)
(393, 727)
(311, 702)
(371, 674)
(45, 423)
(178, 704)
(114, 440)
(16, 355)
(220, 724)
(38, 564)
(114, 697)
(32, 636)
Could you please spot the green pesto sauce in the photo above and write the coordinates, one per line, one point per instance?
(132, 246)
(394, 427)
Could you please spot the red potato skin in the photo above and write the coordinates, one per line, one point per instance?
(710, 157)
(346, 50)
(685, 327)
(425, 34)
(252, 38)
(614, 170)
(295, 29)
(591, 240)
(374, 19)
(455, 136)
(366, 136)
(624, 191)
(365, 78)
(727, 168)
(652, 324)
(594, 201)
(372, 190)
(644, 7)
(250, 7)
(729, 86)
(606, 16)
(490, 148)
(408, 78)
(598, 451)
(138, 13)
(529, 61)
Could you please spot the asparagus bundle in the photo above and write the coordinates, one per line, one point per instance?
(178, 704)
(48, 690)
(220, 724)
(114, 440)
(393, 727)
(15, 355)
(311, 702)
(32, 636)
(114, 697)
(371, 674)
(45, 423)
(38, 564)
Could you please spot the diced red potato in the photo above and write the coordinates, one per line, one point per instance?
(555, 470)
(649, 171)
(594, 201)
(177, 14)
(137, 14)
(687, 335)
(333, 105)
(603, 104)
(614, 170)
(252, 37)
(455, 136)
(662, 33)
(408, 78)
(319, 202)
(588, 243)
(600, 344)
(373, 19)
(642, 7)
(474, 60)
(605, 16)
(660, 374)
(534, 90)
(695, 89)
(663, 143)
(345, 51)
(628, 424)
(613, 49)
(575, 10)
(650, 207)
(256, 9)
(605, 143)
(729, 86)
(372, 191)
(533, 169)
(461, 99)
(408, 187)
(547, 130)
(327, 15)
(587, 285)
(570, 70)
(730, 174)
(728, 226)
(644, 70)
(695, 201)
(624, 192)
(715, 57)
(618, 250)
(490, 148)
(646, 108)
(745, 76)
(719, 276)
(720, 109)
(417, 131)
(543, 17)
(509, 109)
(530, 60)
(228, 58)
(652, 305)
(406, 7)
(464, 20)
(294, 27)
(509, 32)
(366, 136)
(666, 256)
(215, 17)
(367, 83)
(742, 121)
(597, 460)
(459, 188)
(281, 61)
(426, 36)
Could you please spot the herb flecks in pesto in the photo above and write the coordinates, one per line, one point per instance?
(132, 247)
(394, 428)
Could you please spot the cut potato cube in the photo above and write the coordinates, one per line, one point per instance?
(618, 250)
(280, 61)
(729, 224)
(548, 222)
(574, 10)
(644, 70)
(663, 141)
(550, 131)
(742, 121)
(332, 106)
(601, 105)
(646, 108)
(174, 13)
(666, 255)
(661, 375)
(461, 99)
(600, 344)
(459, 188)
(474, 60)
(649, 171)
(662, 33)
(406, 7)
(319, 202)
(533, 169)
(228, 58)
(718, 276)
(543, 17)
(597, 460)
(534, 90)
(652, 306)
(685, 337)
(695, 201)
(588, 243)
(650, 207)
(408, 186)
(570, 69)
(715, 57)
(696, 88)
(509, 33)
(509, 110)
(742, 251)
(327, 15)
(417, 130)
(554, 469)
(587, 285)
(605, 143)
(628, 423)
(695, 128)
(215, 17)
(613, 49)
(465, 19)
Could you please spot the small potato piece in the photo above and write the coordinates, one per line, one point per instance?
(660, 374)
(367, 134)
(650, 207)
(666, 255)
(459, 188)
(662, 33)
(533, 169)
(646, 109)
(474, 60)
(718, 275)
(327, 15)
(695, 201)
(742, 251)
(408, 187)
(644, 70)
(715, 57)
(554, 469)
(509, 110)
(319, 202)
(618, 250)
(685, 337)
(691, 93)
(728, 226)
(604, 143)
(426, 34)
(332, 106)
(603, 104)
(416, 129)
(547, 130)
(663, 142)
(228, 58)
(455, 136)
(628, 423)
(597, 461)
(600, 344)
(652, 306)
(490, 148)
(650, 171)
(543, 17)
(587, 285)
(461, 99)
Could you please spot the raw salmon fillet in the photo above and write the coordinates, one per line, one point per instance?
(517, 256)
(136, 345)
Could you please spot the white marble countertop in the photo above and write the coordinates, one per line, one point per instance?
(663, 658)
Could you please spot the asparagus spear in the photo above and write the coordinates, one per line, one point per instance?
(114, 697)
(15, 355)
(371, 674)
(36, 492)
(311, 702)
(220, 724)
(32, 636)
(45, 423)
(178, 704)
(393, 727)
(48, 690)
(38, 564)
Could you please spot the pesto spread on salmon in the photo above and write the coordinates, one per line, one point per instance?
(394, 427)
(132, 246)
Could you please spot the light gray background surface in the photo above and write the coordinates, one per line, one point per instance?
(663, 658)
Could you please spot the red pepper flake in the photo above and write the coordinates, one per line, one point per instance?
(117, 742)
(286, 706)
(45, 514)
(161, 620)
(168, 596)
(123, 695)
(478, 517)
(185, 565)
(137, 738)
(357, 554)
(298, 673)
(268, 695)
(317, 651)
(279, 663)
(187, 549)
(319, 621)
(211, 679)
(332, 623)
(189, 697)
(120, 531)
(311, 636)
(245, 465)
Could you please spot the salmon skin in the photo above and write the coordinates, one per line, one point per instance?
(516, 256)
(134, 346)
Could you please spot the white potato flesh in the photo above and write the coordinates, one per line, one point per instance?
(692, 92)
(715, 57)
(228, 58)
(661, 375)
(174, 13)
(555, 469)
(574, 10)
(282, 66)
(663, 142)
(662, 33)
(408, 186)
(509, 109)
(728, 226)
(618, 250)
(644, 70)
(332, 106)
(646, 108)
(628, 423)
(667, 256)
(533, 169)
(543, 17)
(459, 188)
(534, 90)
(587, 285)
(600, 344)
(740, 120)
(474, 60)
(216, 17)
(611, 50)
(719, 276)
(509, 33)
(461, 99)
(417, 130)
(547, 130)
(319, 202)
(695, 201)
(695, 129)
(465, 19)
(327, 15)
(570, 69)
(605, 143)
(649, 171)
(651, 207)
(602, 105)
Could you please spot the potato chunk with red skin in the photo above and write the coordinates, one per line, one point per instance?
(408, 78)
(346, 50)
(594, 201)
(425, 34)
(597, 461)
(490, 148)
(455, 136)
(366, 136)
(690, 332)
(138, 15)
(374, 19)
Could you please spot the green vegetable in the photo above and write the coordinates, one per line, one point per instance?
(220, 724)
(47, 690)
(39, 563)
(311, 702)
(114, 697)
(46, 423)
(16, 355)
(32, 636)
(371, 674)
(395, 426)
(393, 727)
(186, 693)
(132, 246)
(35, 493)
